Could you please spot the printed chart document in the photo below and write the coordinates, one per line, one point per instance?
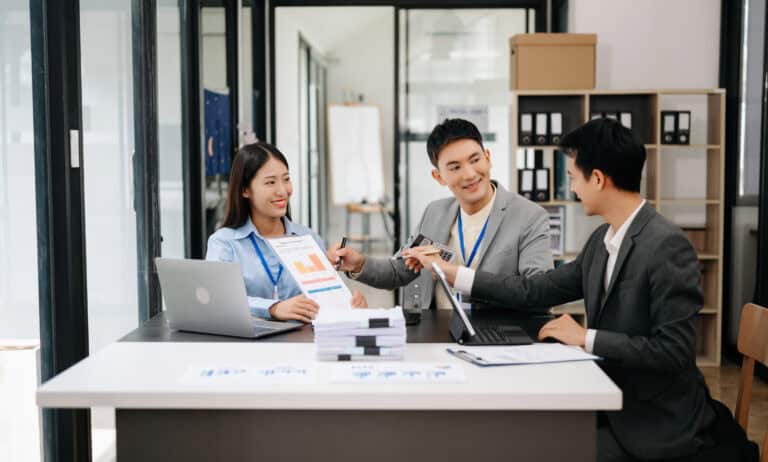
(310, 268)
(405, 372)
(242, 374)
(537, 353)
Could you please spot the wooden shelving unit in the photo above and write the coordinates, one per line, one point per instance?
(662, 177)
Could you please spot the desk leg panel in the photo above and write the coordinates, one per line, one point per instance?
(340, 436)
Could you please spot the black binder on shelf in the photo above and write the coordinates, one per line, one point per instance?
(526, 129)
(541, 188)
(555, 127)
(668, 127)
(525, 183)
(530, 158)
(542, 128)
(683, 127)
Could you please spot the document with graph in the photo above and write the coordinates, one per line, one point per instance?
(310, 268)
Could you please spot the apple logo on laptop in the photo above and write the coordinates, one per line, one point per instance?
(202, 295)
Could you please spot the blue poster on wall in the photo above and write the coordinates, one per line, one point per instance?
(218, 146)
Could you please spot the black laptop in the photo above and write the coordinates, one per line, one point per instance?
(463, 332)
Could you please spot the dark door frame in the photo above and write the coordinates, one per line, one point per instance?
(192, 129)
(57, 102)
(146, 156)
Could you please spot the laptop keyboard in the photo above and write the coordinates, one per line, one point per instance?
(492, 335)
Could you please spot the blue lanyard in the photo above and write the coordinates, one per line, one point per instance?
(266, 267)
(477, 242)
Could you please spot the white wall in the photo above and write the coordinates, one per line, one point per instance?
(364, 63)
(656, 44)
(358, 43)
(288, 128)
(169, 129)
(652, 43)
(18, 239)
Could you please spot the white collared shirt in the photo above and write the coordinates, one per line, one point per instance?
(473, 224)
(465, 277)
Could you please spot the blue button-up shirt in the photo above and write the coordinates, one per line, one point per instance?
(234, 245)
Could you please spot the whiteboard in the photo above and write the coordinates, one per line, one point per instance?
(354, 145)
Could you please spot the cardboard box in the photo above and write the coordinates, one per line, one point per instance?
(552, 61)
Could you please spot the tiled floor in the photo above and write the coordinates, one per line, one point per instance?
(723, 384)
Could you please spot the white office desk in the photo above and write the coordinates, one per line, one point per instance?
(542, 412)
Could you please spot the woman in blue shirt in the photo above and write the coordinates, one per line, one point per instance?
(257, 208)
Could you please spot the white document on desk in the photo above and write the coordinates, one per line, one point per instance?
(310, 268)
(537, 353)
(402, 372)
(242, 374)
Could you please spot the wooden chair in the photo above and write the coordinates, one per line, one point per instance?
(753, 344)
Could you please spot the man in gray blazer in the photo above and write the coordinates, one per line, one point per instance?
(640, 280)
(488, 227)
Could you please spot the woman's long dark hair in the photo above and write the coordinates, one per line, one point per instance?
(248, 161)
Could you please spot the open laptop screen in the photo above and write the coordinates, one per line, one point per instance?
(455, 303)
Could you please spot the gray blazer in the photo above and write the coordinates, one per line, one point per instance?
(645, 323)
(517, 238)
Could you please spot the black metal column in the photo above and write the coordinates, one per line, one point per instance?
(259, 67)
(191, 127)
(145, 158)
(732, 18)
(232, 40)
(57, 109)
(761, 282)
(272, 93)
(400, 125)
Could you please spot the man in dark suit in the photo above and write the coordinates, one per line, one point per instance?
(639, 277)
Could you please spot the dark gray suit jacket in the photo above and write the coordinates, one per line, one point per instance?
(517, 240)
(645, 329)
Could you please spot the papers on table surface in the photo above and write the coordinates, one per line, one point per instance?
(353, 335)
(360, 340)
(337, 373)
(361, 351)
(408, 373)
(310, 268)
(537, 353)
(270, 374)
(362, 318)
(358, 332)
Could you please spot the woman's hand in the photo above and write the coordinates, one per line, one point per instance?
(299, 308)
(358, 300)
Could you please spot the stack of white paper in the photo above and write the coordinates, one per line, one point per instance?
(364, 334)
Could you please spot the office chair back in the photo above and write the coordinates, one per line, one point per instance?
(753, 345)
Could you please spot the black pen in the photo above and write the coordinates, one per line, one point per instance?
(341, 246)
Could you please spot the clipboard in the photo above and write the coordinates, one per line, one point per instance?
(537, 353)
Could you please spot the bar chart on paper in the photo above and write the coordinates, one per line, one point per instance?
(315, 267)
(313, 272)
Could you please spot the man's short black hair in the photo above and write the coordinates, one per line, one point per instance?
(606, 145)
(449, 131)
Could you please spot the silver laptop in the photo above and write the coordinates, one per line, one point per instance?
(209, 296)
